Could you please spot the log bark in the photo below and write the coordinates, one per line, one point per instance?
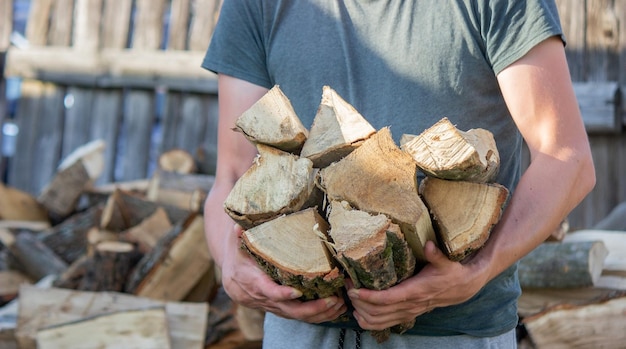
(370, 247)
(562, 265)
(109, 267)
(273, 121)
(443, 151)
(599, 324)
(20, 206)
(290, 249)
(125, 210)
(187, 257)
(277, 183)
(10, 282)
(146, 328)
(187, 191)
(372, 251)
(147, 234)
(68, 239)
(77, 171)
(463, 213)
(377, 178)
(35, 257)
(73, 275)
(337, 129)
(40, 308)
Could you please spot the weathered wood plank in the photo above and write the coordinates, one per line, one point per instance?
(38, 22)
(572, 16)
(107, 113)
(148, 30)
(61, 21)
(600, 106)
(179, 22)
(6, 26)
(205, 13)
(86, 34)
(193, 122)
(138, 121)
(115, 23)
(30, 104)
(602, 41)
(78, 118)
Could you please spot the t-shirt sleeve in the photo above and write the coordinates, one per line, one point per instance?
(511, 28)
(237, 46)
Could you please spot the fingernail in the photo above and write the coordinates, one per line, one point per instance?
(330, 303)
(354, 294)
(295, 294)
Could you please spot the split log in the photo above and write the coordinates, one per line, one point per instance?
(463, 213)
(599, 324)
(10, 282)
(26, 225)
(250, 322)
(147, 234)
(41, 308)
(146, 328)
(205, 288)
(68, 239)
(562, 265)
(72, 276)
(35, 257)
(560, 232)
(20, 206)
(77, 171)
(615, 243)
(177, 160)
(536, 300)
(187, 191)
(277, 183)
(175, 265)
(372, 251)
(96, 236)
(337, 129)
(109, 267)
(273, 121)
(125, 210)
(443, 151)
(290, 249)
(371, 248)
(377, 178)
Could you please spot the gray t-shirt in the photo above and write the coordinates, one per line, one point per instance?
(402, 64)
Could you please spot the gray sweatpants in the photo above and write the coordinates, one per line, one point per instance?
(281, 333)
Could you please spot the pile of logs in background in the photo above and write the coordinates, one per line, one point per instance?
(123, 264)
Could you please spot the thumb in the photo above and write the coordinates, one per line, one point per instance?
(433, 254)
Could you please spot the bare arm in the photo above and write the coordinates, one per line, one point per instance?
(244, 282)
(539, 95)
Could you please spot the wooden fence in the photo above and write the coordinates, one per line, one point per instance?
(128, 72)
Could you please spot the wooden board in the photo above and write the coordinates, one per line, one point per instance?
(144, 328)
(41, 308)
(595, 325)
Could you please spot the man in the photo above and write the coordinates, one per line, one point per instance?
(498, 65)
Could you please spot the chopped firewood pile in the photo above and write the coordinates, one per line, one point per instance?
(122, 264)
(339, 200)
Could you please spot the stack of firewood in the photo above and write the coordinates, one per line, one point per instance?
(574, 288)
(127, 263)
(343, 198)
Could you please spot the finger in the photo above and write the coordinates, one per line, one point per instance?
(434, 255)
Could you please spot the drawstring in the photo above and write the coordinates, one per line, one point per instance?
(342, 337)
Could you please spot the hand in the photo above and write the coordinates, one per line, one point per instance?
(247, 284)
(440, 283)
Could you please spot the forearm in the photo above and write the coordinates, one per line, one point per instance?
(549, 189)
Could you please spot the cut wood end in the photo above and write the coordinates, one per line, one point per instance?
(91, 155)
(443, 151)
(273, 121)
(338, 128)
(177, 160)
